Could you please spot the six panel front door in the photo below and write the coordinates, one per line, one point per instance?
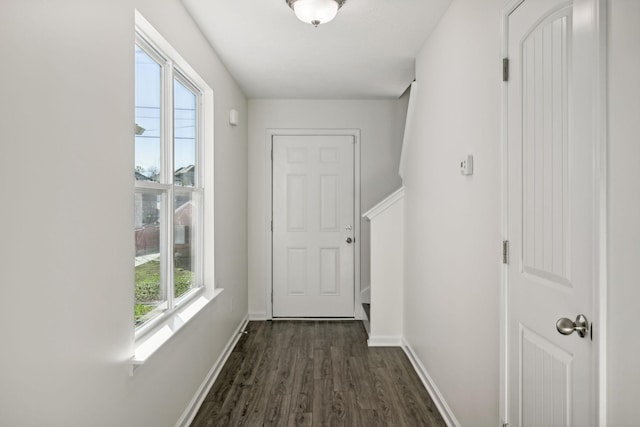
(313, 226)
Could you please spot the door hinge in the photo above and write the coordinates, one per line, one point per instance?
(505, 69)
(505, 252)
(272, 154)
(271, 225)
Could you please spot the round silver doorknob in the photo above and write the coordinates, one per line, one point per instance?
(567, 326)
(349, 240)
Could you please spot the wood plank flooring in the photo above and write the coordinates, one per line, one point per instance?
(315, 373)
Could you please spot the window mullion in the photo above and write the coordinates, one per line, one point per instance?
(200, 161)
(199, 138)
(168, 166)
(199, 243)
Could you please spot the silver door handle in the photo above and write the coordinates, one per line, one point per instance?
(349, 240)
(567, 326)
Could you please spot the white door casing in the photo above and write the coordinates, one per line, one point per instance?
(551, 213)
(313, 219)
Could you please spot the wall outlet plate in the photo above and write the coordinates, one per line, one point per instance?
(466, 165)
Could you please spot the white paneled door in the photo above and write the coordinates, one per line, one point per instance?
(313, 226)
(550, 217)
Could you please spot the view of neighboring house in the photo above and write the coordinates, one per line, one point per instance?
(147, 214)
(184, 176)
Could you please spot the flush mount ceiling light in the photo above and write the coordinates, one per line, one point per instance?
(315, 12)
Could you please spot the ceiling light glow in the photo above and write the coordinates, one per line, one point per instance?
(315, 12)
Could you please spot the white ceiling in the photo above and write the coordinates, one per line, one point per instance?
(367, 51)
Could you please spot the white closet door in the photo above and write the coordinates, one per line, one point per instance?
(551, 217)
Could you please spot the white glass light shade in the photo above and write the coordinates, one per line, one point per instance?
(315, 12)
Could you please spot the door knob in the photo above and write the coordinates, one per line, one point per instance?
(349, 240)
(567, 327)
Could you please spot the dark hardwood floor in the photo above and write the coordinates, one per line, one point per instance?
(315, 373)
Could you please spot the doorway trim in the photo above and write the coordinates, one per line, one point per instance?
(598, 13)
(270, 134)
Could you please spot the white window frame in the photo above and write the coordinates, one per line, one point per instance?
(153, 333)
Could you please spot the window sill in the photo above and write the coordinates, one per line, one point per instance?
(169, 327)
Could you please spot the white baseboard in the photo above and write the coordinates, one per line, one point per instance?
(384, 341)
(258, 315)
(435, 394)
(190, 413)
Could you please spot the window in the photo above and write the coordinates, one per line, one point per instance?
(169, 187)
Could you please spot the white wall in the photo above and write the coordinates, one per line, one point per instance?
(452, 223)
(624, 211)
(381, 123)
(66, 158)
(387, 275)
